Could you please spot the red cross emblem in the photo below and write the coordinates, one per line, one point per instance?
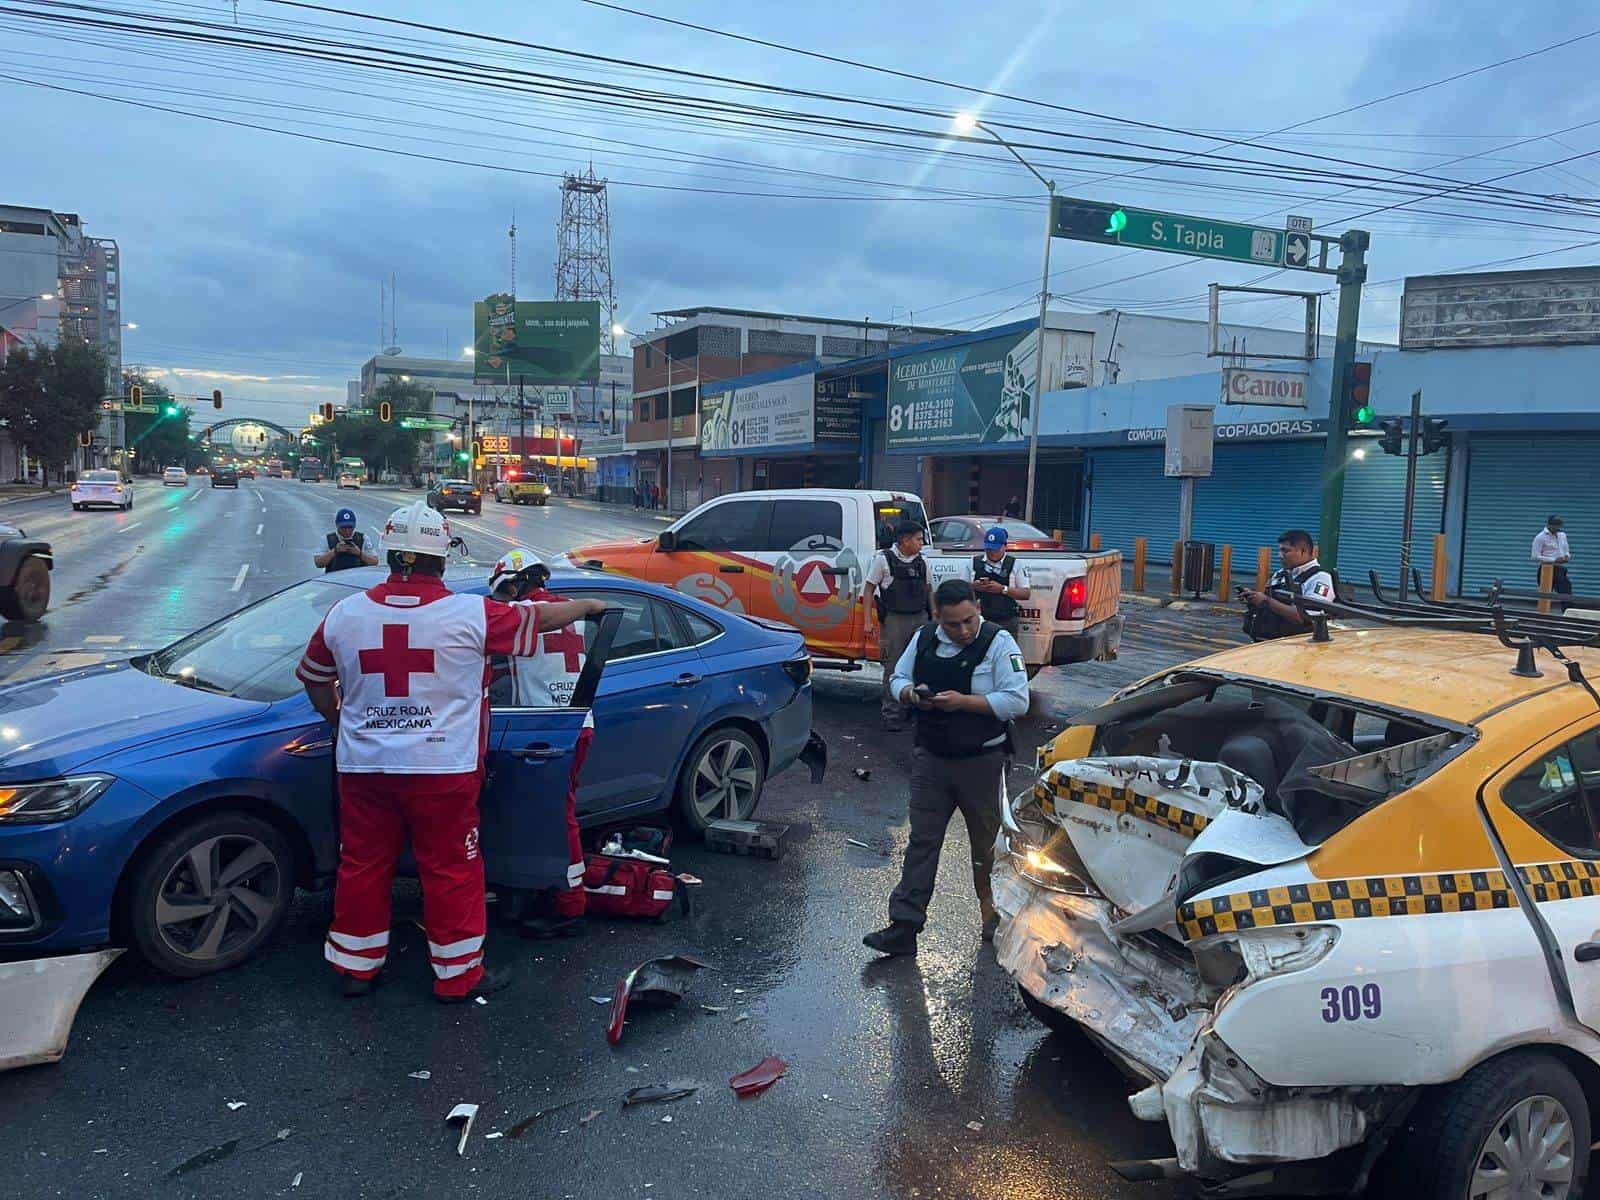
(568, 643)
(396, 660)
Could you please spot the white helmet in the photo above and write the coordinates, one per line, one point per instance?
(417, 529)
(511, 562)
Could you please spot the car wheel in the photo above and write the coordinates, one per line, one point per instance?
(77, 508)
(29, 593)
(208, 895)
(1516, 1126)
(721, 780)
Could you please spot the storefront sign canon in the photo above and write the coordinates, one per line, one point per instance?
(1276, 389)
(764, 416)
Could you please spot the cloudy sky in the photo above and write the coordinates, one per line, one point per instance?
(253, 257)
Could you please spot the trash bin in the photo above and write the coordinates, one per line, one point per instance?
(1199, 566)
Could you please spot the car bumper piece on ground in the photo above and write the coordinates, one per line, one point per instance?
(39, 1000)
(1099, 644)
(1147, 1009)
(815, 756)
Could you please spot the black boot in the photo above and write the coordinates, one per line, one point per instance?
(494, 979)
(899, 938)
(543, 928)
(351, 987)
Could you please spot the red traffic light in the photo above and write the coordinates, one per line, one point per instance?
(385, 411)
(327, 410)
(216, 398)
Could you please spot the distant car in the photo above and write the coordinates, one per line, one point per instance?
(347, 480)
(247, 472)
(25, 566)
(523, 491)
(225, 477)
(174, 477)
(202, 469)
(102, 487)
(966, 533)
(285, 472)
(455, 493)
(180, 797)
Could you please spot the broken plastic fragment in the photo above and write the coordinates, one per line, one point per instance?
(601, 999)
(666, 1120)
(660, 1093)
(657, 981)
(420, 1075)
(464, 1115)
(205, 1158)
(298, 1176)
(236, 1105)
(975, 1126)
(714, 1008)
(863, 774)
(593, 1114)
(489, 1137)
(741, 1017)
(880, 851)
(689, 880)
(480, 1000)
(759, 1077)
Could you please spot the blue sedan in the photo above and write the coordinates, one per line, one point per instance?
(173, 802)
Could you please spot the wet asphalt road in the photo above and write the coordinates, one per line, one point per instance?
(892, 1063)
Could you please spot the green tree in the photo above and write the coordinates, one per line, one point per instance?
(49, 395)
(360, 434)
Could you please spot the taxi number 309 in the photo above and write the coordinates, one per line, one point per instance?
(1352, 1003)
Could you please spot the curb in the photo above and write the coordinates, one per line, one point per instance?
(28, 497)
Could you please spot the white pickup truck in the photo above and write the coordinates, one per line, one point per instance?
(800, 556)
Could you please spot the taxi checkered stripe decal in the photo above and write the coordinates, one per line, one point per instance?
(1388, 896)
(1120, 800)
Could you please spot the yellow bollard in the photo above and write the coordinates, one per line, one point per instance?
(1094, 541)
(1547, 583)
(1139, 548)
(1177, 568)
(1056, 534)
(1441, 567)
(1263, 567)
(1225, 573)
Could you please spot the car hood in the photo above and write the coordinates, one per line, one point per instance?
(64, 723)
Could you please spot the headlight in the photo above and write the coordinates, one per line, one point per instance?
(50, 799)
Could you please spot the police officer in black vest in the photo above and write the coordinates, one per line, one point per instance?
(347, 546)
(997, 581)
(964, 676)
(897, 581)
(1272, 613)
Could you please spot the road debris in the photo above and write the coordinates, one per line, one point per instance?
(880, 851)
(864, 774)
(205, 1158)
(689, 880)
(658, 981)
(975, 1126)
(236, 1105)
(666, 1120)
(39, 1001)
(464, 1115)
(660, 1093)
(594, 1114)
(420, 1075)
(482, 1001)
(298, 1176)
(714, 1008)
(759, 1077)
(489, 1137)
(601, 999)
(522, 1126)
(762, 839)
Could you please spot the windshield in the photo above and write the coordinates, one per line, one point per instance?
(253, 653)
(100, 477)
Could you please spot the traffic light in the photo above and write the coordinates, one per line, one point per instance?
(327, 410)
(385, 411)
(171, 410)
(216, 397)
(1358, 396)
(461, 456)
(1433, 435)
(86, 437)
(477, 449)
(1393, 438)
(1085, 222)
(136, 395)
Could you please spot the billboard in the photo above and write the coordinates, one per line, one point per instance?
(838, 417)
(536, 341)
(972, 393)
(1501, 308)
(763, 416)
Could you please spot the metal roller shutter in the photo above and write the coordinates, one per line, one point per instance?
(1374, 512)
(1513, 485)
(1255, 491)
(1131, 498)
(893, 472)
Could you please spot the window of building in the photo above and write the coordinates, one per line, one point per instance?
(683, 402)
(1557, 795)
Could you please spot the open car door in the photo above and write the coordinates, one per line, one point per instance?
(534, 758)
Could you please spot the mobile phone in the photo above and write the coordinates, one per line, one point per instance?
(922, 689)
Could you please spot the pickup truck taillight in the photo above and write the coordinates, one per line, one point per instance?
(1074, 600)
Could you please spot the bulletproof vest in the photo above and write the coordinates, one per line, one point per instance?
(953, 734)
(908, 585)
(344, 560)
(995, 607)
(1262, 624)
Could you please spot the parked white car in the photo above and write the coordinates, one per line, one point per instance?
(96, 488)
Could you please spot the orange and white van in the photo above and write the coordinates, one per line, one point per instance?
(801, 556)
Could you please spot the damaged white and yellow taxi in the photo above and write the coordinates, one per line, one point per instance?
(1335, 904)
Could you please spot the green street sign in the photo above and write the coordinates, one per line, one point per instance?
(431, 424)
(1146, 229)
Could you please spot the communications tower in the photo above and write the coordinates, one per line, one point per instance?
(583, 248)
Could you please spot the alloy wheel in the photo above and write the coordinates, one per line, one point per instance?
(1528, 1154)
(219, 896)
(725, 780)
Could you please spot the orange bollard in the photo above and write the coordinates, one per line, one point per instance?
(1094, 541)
(1139, 549)
(1225, 573)
(1441, 567)
(1056, 534)
(1177, 568)
(1547, 583)
(1263, 567)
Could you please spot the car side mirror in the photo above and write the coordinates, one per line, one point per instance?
(667, 541)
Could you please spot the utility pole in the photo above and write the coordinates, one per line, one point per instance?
(1036, 400)
(522, 432)
(1411, 492)
(1352, 274)
(667, 495)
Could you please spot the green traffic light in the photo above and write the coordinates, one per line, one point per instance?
(1364, 414)
(172, 410)
(462, 455)
(1118, 222)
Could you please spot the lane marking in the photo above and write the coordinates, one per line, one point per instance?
(102, 639)
(259, 528)
(238, 580)
(190, 496)
(130, 525)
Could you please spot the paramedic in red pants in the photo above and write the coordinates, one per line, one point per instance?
(410, 661)
(518, 578)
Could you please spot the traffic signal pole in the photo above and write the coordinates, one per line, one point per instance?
(1411, 492)
(1352, 274)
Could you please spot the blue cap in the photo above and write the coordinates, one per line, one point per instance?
(344, 517)
(994, 538)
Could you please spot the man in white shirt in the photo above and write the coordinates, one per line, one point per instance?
(1550, 546)
(967, 682)
(1301, 574)
(898, 578)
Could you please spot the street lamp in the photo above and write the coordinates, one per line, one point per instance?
(967, 123)
(27, 300)
(619, 331)
(130, 324)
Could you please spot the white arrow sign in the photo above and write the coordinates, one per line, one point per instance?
(1296, 250)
